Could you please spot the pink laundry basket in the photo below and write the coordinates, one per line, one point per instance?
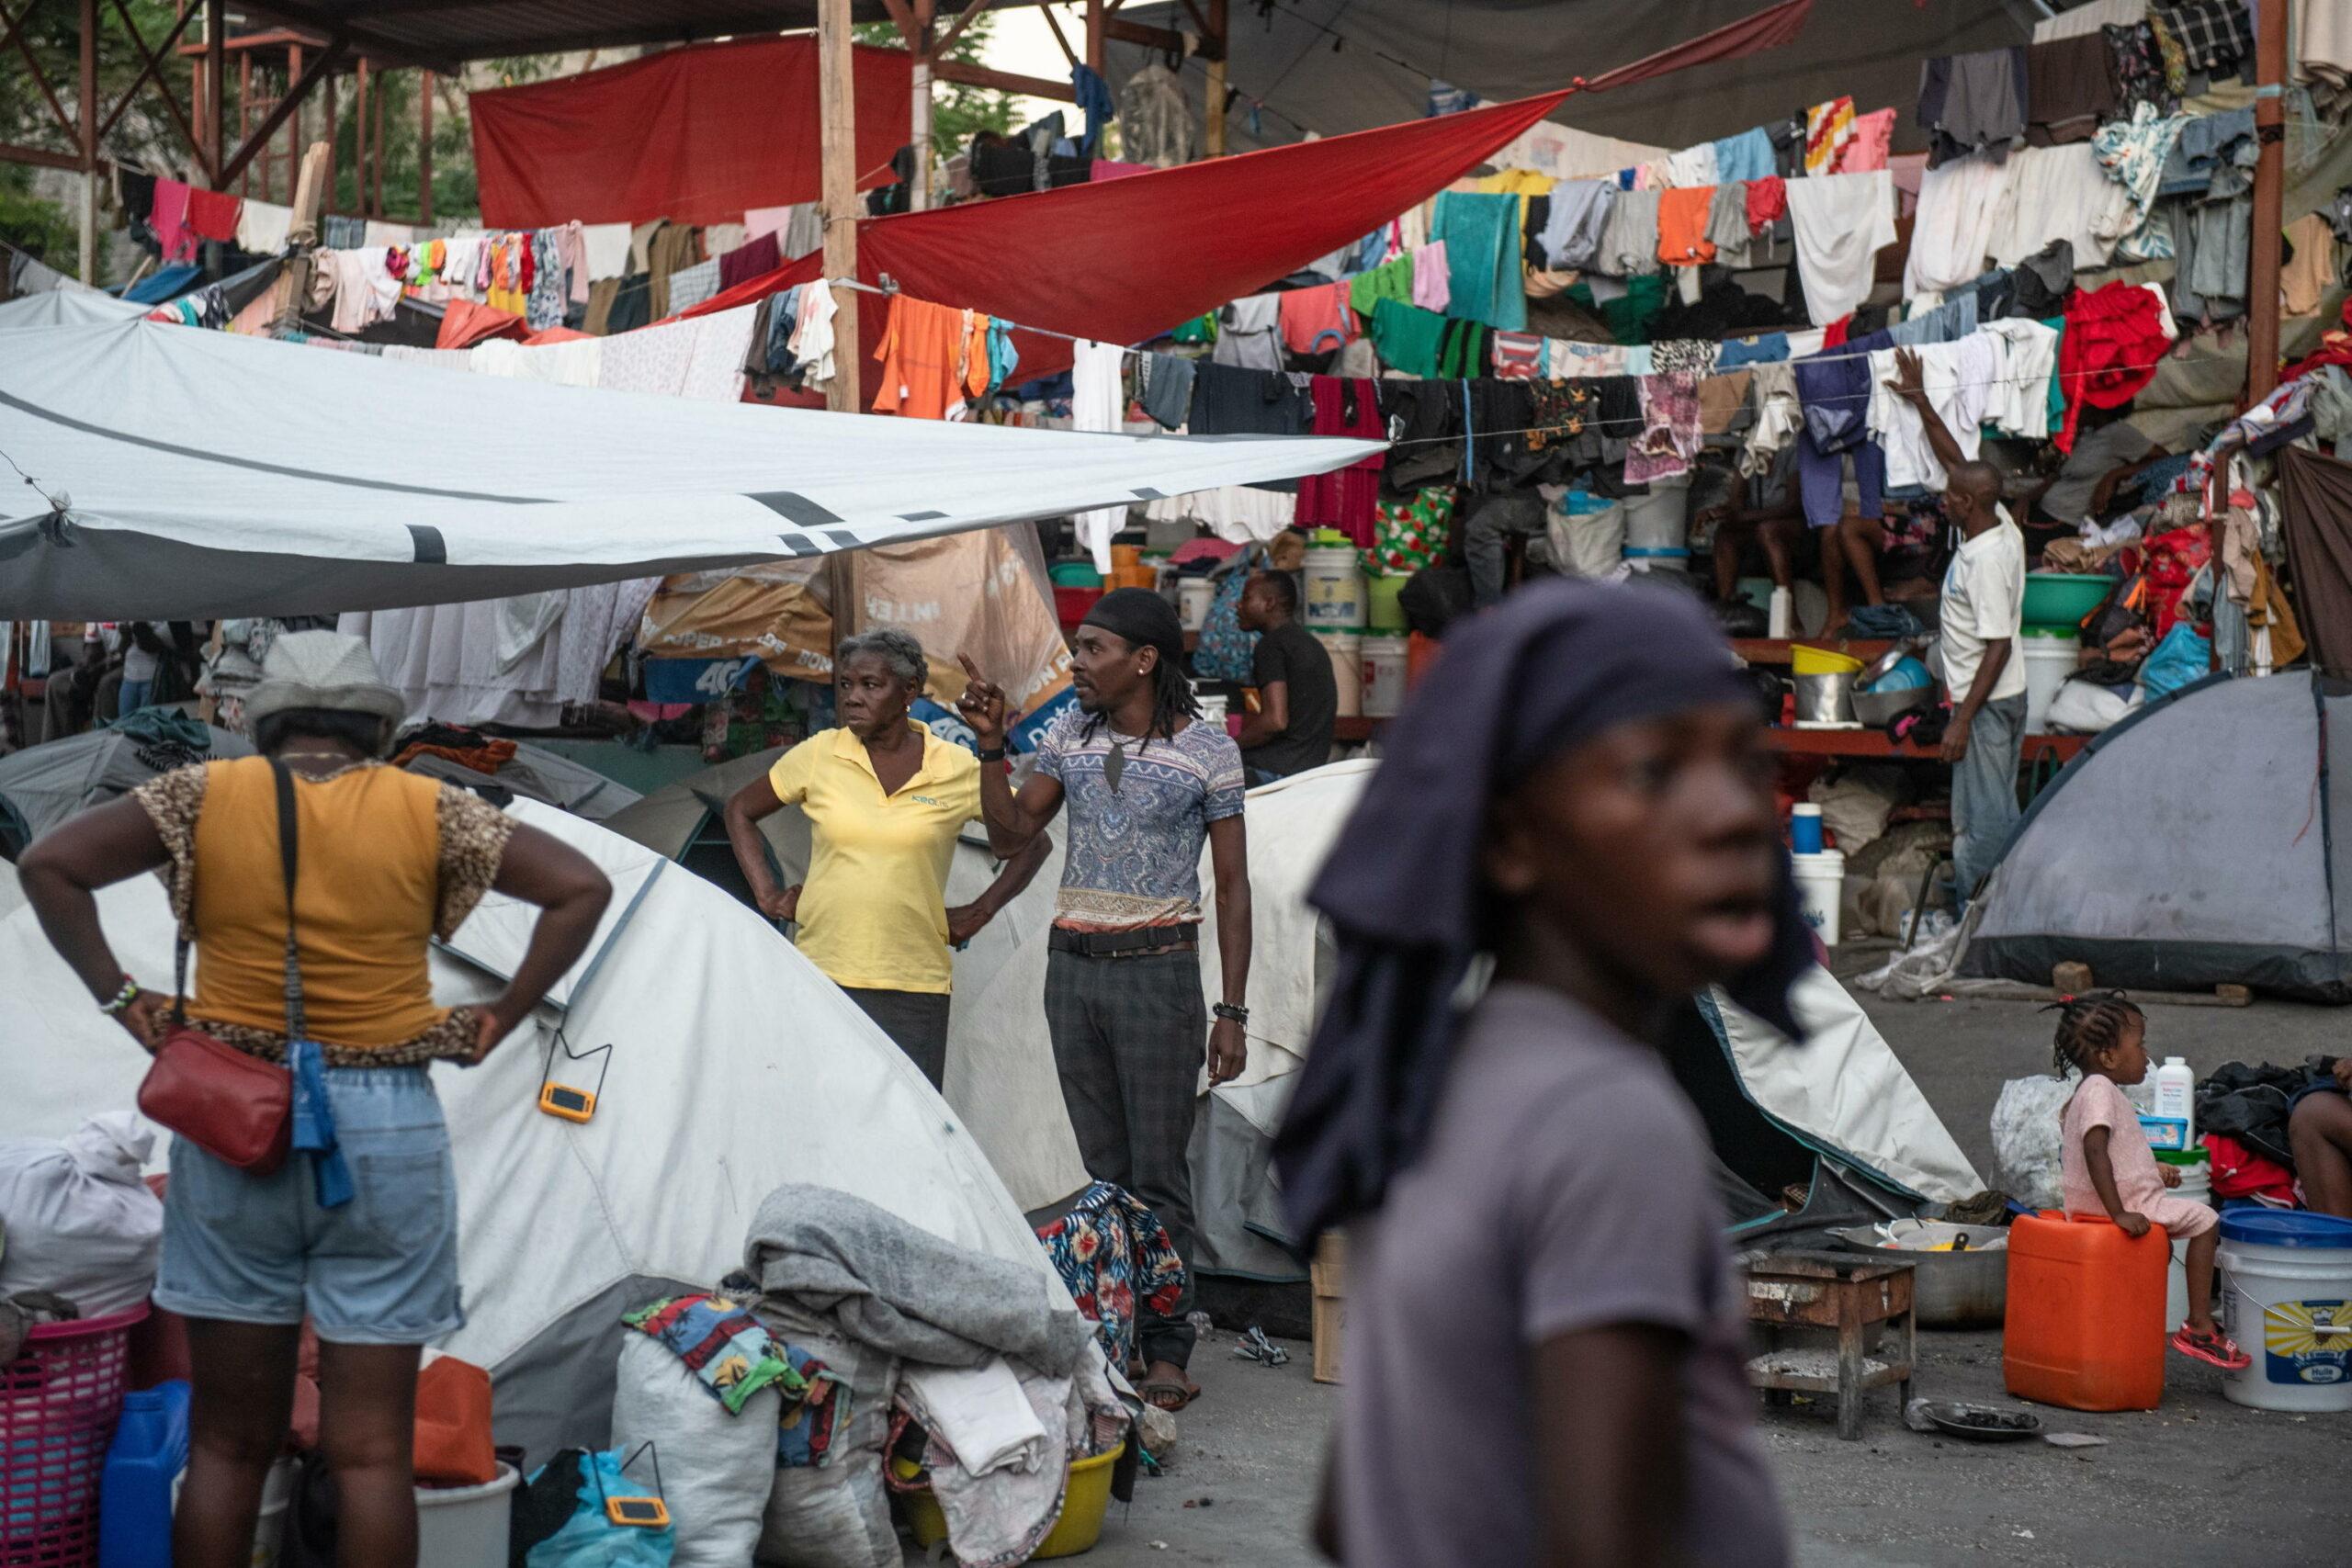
(58, 1402)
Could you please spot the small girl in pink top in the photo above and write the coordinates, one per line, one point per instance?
(2108, 1168)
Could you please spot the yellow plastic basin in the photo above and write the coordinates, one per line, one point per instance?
(1805, 661)
(1086, 1500)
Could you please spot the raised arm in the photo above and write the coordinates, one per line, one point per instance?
(1014, 820)
(1910, 385)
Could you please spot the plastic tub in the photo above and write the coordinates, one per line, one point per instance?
(1074, 574)
(1346, 649)
(2287, 1299)
(2061, 599)
(1070, 605)
(1385, 662)
(1334, 596)
(1821, 884)
(2084, 1327)
(2050, 657)
(1805, 660)
(1084, 1503)
(58, 1402)
(1644, 557)
(1384, 606)
(466, 1526)
(1193, 597)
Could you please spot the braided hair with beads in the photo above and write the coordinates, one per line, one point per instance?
(2088, 1025)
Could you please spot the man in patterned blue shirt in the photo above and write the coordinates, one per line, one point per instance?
(1147, 783)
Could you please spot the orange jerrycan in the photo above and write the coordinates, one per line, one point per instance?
(2086, 1325)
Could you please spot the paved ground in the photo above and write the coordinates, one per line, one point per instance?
(2198, 1482)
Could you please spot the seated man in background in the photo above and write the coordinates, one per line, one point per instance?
(1298, 698)
(1764, 510)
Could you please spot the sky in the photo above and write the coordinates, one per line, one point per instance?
(1021, 41)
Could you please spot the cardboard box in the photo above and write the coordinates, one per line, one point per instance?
(1328, 1273)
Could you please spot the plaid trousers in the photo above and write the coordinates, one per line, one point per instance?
(1130, 1035)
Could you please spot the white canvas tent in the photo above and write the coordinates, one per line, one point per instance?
(735, 1067)
(207, 474)
(74, 306)
(1780, 1112)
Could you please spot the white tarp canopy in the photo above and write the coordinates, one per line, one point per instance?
(74, 306)
(209, 474)
(735, 1067)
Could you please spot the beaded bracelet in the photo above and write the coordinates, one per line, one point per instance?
(122, 999)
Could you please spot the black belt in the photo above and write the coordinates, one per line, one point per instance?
(1124, 945)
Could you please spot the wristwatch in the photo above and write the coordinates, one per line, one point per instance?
(991, 753)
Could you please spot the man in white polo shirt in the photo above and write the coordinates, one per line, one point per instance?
(1983, 604)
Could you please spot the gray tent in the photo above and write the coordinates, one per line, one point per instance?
(536, 775)
(2205, 840)
(43, 785)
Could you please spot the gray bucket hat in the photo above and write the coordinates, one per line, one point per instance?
(321, 669)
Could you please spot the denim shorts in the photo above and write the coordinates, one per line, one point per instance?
(382, 1269)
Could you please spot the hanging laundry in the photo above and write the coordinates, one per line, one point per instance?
(1971, 102)
(1518, 356)
(169, 219)
(1167, 394)
(213, 214)
(1840, 222)
(1670, 436)
(261, 227)
(1747, 156)
(2018, 401)
(2114, 337)
(1481, 234)
(1433, 282)
(1248, 334)
(748, 260)
(1390, 280)
(813, 336)
(922, 355)
(1682, 226)
(690, 286)
(2071, 89)
(1767, 201)
(1692, 166)
(1348, 499)
(2059, 193)
(1574, 222)
(1958, 378)
(1827, 128)
(1098, 402)
(1872, 140)
(1317, 321)
(1228, 401)
(1629, 241)
(2214, 35)
(2134, 153)
(1409, 338)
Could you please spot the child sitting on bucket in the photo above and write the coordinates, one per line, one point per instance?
(2108, 1168)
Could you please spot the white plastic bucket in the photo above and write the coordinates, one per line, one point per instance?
(466, 1526)
(2287, 1300)
(2050, 657)
(1385, 662)
(1660, 520)
(1213, 708)
(1346, 649)
(1821, 884)
(1194, 595)
(1643, 558)
(1335, 600)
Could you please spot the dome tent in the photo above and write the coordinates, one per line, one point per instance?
(735, 1067)
(2206, 840)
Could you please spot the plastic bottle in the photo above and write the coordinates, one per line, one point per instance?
(2176, 1096)
(149, 1451)
(1780, 619)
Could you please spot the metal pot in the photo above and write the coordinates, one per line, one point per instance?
(1952, 1290)
(1874, 708)
(1825, 699)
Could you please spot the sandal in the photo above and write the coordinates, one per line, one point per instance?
(1152, 1392)
(2214, 1349)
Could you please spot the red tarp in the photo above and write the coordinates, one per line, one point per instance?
(1123, 260)
(696, 135)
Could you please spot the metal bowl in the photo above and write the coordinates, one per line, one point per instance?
(1952, 1290)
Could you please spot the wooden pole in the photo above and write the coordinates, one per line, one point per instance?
(376, 147)
(216, 82)
(918, 106)
(1094, 35)
(837, 122)
(2269, 199)
(245, 126)
(88, 113)
(1213, 107)
(330, 195)
(293, 123)
(424, 148)
(360, 144)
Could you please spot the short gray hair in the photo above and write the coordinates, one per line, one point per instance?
(899, 653)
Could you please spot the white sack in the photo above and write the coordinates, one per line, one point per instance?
(2026, 1139)
(836, 1515)
(76, 1218)
(716, 1468)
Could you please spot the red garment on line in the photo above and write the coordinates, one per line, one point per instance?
(1348, 499)
(1767, 198)
(214, 213)
(2107, 353)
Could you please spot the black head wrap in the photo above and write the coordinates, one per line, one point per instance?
(1143, 618)
(1552, 666)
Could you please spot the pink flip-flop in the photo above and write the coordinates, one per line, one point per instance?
(2217, 1351)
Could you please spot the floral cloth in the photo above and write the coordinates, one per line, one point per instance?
(735, 1357)
(1412, 533)
(1113, 1252)
(1670, 433)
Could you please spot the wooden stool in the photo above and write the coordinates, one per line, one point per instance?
(1845, 1293)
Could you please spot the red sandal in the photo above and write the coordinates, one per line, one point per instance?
(2214, 1349)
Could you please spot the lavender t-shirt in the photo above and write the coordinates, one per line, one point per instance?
(1565, 1186)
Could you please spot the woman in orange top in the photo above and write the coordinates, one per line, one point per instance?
(362, 1235)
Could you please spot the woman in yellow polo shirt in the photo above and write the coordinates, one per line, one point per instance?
(885, 799)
